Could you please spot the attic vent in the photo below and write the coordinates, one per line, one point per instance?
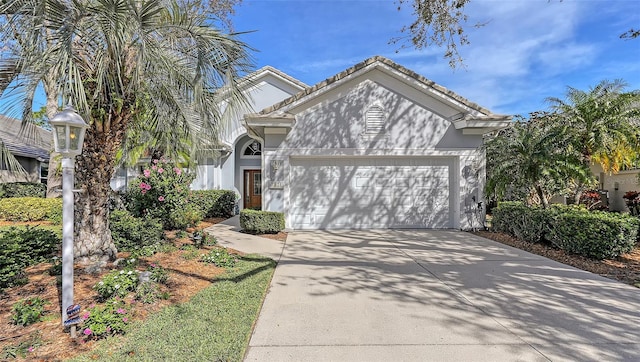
(375, 120)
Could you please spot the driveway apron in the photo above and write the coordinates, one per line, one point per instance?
(423, 295)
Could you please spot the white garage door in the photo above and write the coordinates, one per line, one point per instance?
(372, 192)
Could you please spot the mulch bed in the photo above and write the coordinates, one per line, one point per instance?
(625, 268)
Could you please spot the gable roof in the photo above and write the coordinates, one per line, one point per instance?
(266, 70)
(469, 117)
(25, 144)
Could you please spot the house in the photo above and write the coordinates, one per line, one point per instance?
(375, 146)
(240, 154)
(30, 147)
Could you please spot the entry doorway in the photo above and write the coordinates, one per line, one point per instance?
(253, 189)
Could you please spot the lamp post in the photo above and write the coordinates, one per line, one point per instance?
(68, 136)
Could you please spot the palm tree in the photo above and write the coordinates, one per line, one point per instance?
(532, 158)
(601, 123)
(122, 62)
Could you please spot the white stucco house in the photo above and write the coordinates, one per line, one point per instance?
(375, 146)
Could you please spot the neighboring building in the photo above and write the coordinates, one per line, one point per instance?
(31, 149)
(375, 146)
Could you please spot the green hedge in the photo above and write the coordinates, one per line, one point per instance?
(595, 234)
(31, 209)
(130, 232)
(261, 222)
(215, 203)
(22, 189)
(21, 247)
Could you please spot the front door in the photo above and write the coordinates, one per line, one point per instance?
(253, 189)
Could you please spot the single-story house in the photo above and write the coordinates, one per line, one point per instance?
(31, 150)
(375, 146)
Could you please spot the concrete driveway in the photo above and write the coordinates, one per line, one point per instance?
(393, 295)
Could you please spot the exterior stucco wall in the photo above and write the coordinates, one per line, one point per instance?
(340, 124)
(336, 128)
(625, 181)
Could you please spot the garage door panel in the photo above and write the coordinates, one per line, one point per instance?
(371, 192)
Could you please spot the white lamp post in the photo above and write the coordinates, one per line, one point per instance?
(68, 137)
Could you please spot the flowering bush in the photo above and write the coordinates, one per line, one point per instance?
(117, 283)
(592, 200)
(220, 257)
(108, 320)
(162, 191)
(632, 199)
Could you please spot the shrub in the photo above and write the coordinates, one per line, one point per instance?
(261, 222)
(28, 311)
(214, 203)
(21, 247)
(183, 218)
(108, 320)
(31, 209)
(162, 192)
(158, 273)
(595, 234)
(524, 222)
(220, 257)
(149, 292)
(117, 283)
(22, 189)
(130, 233)
(592, 200)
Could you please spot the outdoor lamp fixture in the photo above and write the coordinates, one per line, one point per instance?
(68, 135)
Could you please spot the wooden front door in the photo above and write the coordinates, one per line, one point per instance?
(253, 189)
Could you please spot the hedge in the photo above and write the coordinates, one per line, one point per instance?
(22, 189)
(129, 232)
(261, 222)
(594, 234)
(31, 209)
(215, 203)
(21, 247)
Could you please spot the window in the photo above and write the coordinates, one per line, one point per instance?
(252, 149)
(374, 120)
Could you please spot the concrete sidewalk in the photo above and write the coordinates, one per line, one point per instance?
(424, 295)
(228, 235)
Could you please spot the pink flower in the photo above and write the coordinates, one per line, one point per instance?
(161, 198)
(121, 311)
(155, 161)
(85, 316)
(87, 332)
(146, 173)
(154, 167)
(143, 192)
(30, 349)
(125, 319)
(160, 170)
(108, 329)
(177, 170)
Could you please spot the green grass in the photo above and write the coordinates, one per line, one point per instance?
(215, 325)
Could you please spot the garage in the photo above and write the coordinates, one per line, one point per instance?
(370, 192)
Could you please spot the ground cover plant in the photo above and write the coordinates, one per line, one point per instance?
(173, 280)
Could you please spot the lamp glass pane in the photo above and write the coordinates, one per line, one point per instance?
(74, 137)
(62, 137)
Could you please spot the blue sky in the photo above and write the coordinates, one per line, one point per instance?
(528, 51)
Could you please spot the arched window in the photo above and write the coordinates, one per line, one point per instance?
(252, 149)
(375, 120)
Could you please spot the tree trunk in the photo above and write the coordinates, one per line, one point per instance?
(54, 177)
(94, 169)
(543, 200)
